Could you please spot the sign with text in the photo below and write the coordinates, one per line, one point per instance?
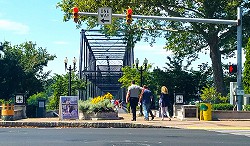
(104, 15)
(68, 108)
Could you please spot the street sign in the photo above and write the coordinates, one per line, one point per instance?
(104, 15)
(239, 92)
(179, 99)
(19, 99)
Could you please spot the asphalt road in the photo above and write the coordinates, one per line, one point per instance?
(117, 137)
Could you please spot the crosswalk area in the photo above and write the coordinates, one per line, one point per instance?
(234, 132)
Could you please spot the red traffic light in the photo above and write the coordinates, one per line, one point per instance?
(129, 16)
(75, 10)
(232, 68)
(75, 14)
(129, 11)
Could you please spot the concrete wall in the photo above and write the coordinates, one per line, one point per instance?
(223, 115)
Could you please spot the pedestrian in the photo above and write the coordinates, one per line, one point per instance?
(146, 99)
(164, 103)
(133, 97)
(152, 106)
(116, 105)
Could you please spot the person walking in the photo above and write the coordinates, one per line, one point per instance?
(146, 99)
(133, 97)
(164, 103)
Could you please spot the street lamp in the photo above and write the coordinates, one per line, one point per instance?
(70, 69)
(141, 69)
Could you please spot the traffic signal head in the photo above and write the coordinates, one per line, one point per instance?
(129, 16)
(75, 14)
(233, 68)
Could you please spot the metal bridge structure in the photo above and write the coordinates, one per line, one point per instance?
(101, 60)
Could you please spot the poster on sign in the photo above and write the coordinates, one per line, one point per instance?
(68, 107)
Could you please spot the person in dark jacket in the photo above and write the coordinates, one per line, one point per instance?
(146, 100)
(164, 103)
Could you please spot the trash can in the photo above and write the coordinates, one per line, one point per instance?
(7, 112)
(205, 111)
(41, 109)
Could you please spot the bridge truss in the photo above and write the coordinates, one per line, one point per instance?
(101, 60)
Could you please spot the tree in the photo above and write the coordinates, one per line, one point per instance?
(180, 80)
(130, 74)
(60, 88)
(175, 77)
(246, 72)
(22, 69)
(186, 39)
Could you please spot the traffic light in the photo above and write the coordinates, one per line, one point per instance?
(129, 16)
(75, 14)
(233, 68)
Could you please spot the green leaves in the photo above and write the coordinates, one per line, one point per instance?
(33, 100)
(60, 87)
(22, 69)
(210, 94)
(246, 71)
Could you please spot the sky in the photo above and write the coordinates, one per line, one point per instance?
(41, 22)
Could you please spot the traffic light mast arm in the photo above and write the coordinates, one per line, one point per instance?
(200, 20)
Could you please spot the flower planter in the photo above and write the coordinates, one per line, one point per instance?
(86, 116)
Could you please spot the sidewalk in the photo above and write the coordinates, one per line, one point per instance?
(125, 122)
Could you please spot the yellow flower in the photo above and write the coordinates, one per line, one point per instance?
(101, 98)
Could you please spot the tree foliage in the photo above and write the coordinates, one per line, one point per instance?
(175, 77)
(180, 80)
(22, 69)
(210, 95)
(33, 100)
(130, 74)
(182, 38)
(60, 88)
(246, 72)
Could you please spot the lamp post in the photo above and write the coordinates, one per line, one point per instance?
(70, 69)
(141, 69)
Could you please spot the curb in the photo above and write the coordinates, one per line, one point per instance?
(77, 125)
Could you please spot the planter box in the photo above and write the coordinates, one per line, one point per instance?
(100, 116)
(225, 115)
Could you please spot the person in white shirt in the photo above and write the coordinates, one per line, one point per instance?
(133, 97)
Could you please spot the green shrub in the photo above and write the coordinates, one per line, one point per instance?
(222, 106)
(10, 101)
(247, 107)
(84, 105)
(53, 103)
(211, 95)
(1, 101)
(33, 100)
